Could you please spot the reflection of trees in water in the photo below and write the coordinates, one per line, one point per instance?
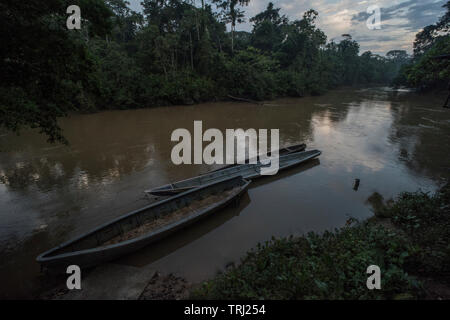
(422, 130)
(57, 185)
(96, 155)
(107, 146)
(38, 172)
(56, 171)
(379, 205)
(110, 145)
(335, 106)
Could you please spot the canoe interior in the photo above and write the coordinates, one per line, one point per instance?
(136, 219)
(247, 171)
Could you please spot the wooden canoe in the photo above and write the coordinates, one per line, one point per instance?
(142, 227)
(281, 152)
(247, 171)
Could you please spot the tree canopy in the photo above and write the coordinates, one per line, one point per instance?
(424, 71)
(175, 52)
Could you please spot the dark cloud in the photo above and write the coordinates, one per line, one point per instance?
(400, 22)
(418, 13)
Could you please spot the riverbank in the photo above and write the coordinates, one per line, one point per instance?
(391, 142)
(118, 282)
(407, 239)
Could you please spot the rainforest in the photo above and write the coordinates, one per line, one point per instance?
(183, 52)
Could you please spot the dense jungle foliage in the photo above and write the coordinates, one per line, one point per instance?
(428, 69)
(408, 240)
(175, 52)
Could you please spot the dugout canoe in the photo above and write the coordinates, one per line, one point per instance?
(281, 152)
(247, 171)
(142, 227)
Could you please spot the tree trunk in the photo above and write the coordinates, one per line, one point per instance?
(232, 39)
(192, 54)
(165, 71)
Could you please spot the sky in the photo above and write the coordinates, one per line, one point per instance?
(401, 20)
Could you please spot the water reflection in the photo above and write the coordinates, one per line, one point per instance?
(391, 141)
(422, 130)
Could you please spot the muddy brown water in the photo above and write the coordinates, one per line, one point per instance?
(392, 141)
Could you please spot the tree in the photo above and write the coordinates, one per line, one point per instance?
(126, 22)
(232, 14)
(397, 55)
(432, 33)
(426, 72)
(43, 64)
(348, 50)
(268, 28)
(174, 53)
(270, 14)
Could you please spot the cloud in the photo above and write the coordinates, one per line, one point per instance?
(417, 13)
(401, 19)
(400, 23)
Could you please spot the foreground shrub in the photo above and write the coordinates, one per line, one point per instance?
(333, 265)
(426, 221)
(328, 266)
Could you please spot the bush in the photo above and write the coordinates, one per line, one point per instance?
(426, 220)
(333, 265)
(328, 266)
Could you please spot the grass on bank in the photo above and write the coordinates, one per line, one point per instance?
(408, 240)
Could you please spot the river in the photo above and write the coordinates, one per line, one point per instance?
(392, 141)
